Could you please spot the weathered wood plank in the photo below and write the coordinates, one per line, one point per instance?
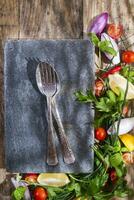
(55, 19)
(51, 19)
(8, 13)
(9, 26)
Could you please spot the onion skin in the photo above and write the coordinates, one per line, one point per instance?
(23, 184)
(116, 59)
(98, 24)
(126, 125)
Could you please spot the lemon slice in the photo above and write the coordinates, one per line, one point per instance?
(117, 82)
(128, 141)
(53, 179)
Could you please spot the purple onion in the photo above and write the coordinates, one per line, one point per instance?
(23, 184)
(114, 59)
(98, 24)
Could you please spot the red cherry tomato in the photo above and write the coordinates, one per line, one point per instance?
(31, 177)
(100, 134)
(113, 175)
(128, 56)
(99, 85)
(40, 193)
(115, 31)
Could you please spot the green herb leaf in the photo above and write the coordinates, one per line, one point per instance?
(75, 187)
(89, 97)
(116, 159)
(111, 95)
(103, 105)
(52, 191)
(103, 45)
(94, 39)
(18, 194)
(111, 51)
(119, 171)
(124, 149)
(121, 95)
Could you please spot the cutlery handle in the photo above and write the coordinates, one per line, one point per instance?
(51, 148)
(66, 149)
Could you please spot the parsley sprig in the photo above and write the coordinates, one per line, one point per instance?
(108, 106)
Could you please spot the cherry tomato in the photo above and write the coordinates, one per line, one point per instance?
(40, 193)
(31, 177)
(128, 56)
(99, 85)
(112, 175)
(100, 134)
(115, 31)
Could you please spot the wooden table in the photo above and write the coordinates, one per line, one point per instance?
(55, 19)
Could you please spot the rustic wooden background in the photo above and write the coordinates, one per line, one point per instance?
(56, 19)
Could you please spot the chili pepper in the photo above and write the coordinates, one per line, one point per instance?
(111, 71)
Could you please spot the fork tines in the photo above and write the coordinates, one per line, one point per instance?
(47, 73)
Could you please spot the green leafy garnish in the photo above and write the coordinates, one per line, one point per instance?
(107, 106)
(18, 193)
(128, 74)
(102, 45)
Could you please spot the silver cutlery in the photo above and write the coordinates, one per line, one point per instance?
(46, 82)
(66, 149)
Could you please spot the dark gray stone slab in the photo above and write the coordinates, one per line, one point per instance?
(25, 107)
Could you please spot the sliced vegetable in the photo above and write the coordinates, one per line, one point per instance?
(115, 59)
(118, 83)
(126, 125)
(128, 141)
(31, 177)
(115, 31)
(99, 86)
(128, 158)
(40, 193)
(125, 110)
(100, 134)
(128, 57)
(98, 23)
(53, 179)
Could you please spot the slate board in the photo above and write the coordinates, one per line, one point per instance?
(25, 107)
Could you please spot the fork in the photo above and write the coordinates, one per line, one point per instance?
(47, 85)
(67, 152)
(68, 155)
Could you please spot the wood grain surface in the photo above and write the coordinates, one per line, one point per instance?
(56, 19)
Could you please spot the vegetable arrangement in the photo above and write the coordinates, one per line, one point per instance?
(113, 122)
